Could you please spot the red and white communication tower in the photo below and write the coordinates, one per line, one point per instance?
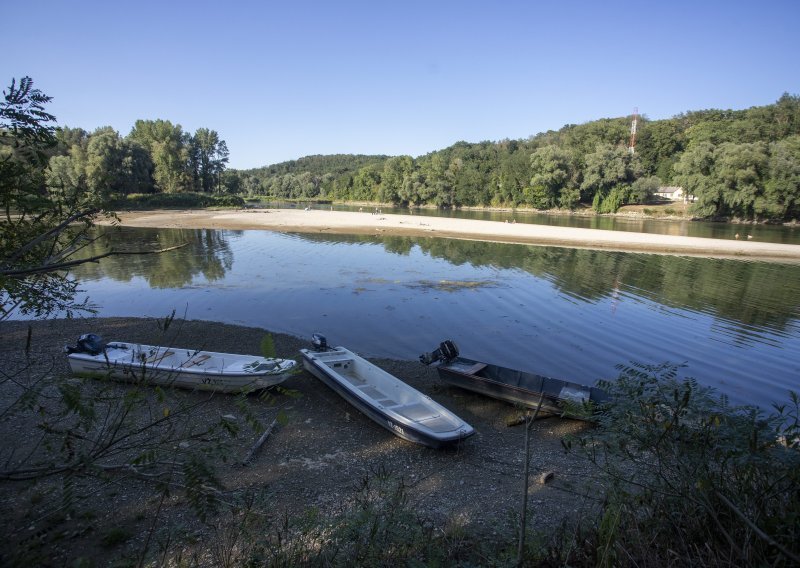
(633, 129)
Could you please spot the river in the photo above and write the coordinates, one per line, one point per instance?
(568, 313)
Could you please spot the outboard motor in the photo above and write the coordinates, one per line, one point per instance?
(318, 342)
(89, 343)
(446, 352)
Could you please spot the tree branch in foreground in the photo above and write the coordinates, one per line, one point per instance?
(21, 273)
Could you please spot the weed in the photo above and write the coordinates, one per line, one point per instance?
(691, 480)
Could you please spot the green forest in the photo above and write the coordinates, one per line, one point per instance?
(741, 164)
(156, 156)
(737, 164)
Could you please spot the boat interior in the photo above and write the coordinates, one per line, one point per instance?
(186, 359)
(387, 391)
(554, 388)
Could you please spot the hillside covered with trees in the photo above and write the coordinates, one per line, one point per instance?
(741, 164)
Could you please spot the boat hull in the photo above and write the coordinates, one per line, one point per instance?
(182, 368)
(392, 420)
(517, 387)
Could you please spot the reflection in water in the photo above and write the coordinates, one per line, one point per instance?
(206, 253)
(568, 313)
(754, 294)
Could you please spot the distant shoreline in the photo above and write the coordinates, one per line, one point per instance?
(368, 223)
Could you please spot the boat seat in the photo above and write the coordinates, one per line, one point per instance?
(158, 357)
(198, 360)
(372, 392)
(332, 362)
(416, 412)
(354, 380)
(475, 369)
(466, 368)
(438, 424)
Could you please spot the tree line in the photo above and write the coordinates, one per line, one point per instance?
(736, 163)
(742, 164)
(156, 156)
(55, 182)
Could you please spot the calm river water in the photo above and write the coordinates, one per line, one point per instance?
(567, 313)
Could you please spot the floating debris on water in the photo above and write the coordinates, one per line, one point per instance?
(453, 285)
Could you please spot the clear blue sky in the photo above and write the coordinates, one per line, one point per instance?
(283, 79)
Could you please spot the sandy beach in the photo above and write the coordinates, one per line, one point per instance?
(343, 222)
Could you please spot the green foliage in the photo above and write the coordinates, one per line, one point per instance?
(226, 201)
(267, 346)
(156, 157)
(552, 171)
(574, 165)
(177, 201)
(42, 226)
(169, 149)
(643, 188)
(616, 198)
(208, 155)
(55, 183)
(752, 172)
(691, 479)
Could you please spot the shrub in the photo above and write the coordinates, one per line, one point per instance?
(227, 201)
(691, 480)
(177, 201)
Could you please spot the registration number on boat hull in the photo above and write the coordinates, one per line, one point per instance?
(395, 427)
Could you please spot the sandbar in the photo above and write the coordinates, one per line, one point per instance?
(370, 223)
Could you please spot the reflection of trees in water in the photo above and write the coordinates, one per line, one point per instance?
(207, 253)
(754, 293)
(760, 294)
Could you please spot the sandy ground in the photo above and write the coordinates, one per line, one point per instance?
(343, 222)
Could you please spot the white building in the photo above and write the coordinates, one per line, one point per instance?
(673, 193)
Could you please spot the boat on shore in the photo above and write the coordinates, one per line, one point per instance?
(551, 396)
(384, 398)
(175, 366)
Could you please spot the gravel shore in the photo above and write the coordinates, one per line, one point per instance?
(318, 457)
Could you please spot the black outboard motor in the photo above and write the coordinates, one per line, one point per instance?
(318, 342)
(446, 352)
(89, 343)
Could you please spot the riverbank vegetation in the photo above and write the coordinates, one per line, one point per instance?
(145, 201)
(735, 164)
(741, 164)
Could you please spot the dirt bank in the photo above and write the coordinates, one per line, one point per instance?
(315, 461)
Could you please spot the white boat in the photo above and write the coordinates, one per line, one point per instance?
(175, 366)
(384, 398)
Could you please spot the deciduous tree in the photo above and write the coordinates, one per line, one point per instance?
(209, 156)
